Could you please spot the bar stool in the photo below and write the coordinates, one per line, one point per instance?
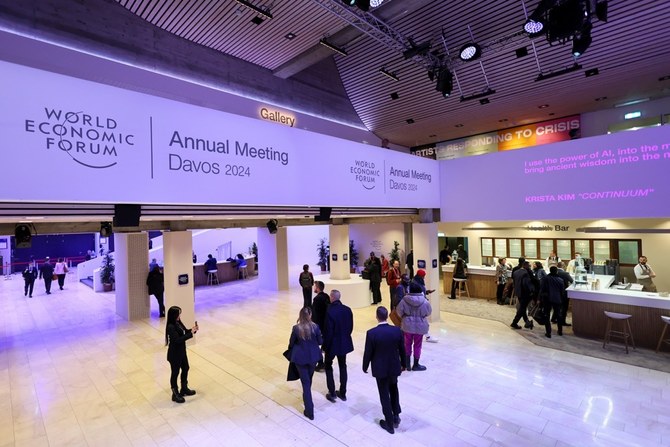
(666, 320)
(625, 333)
(464, 282)
(212, 277)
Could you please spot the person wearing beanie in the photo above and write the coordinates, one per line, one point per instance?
(420, 279)
(414, 310)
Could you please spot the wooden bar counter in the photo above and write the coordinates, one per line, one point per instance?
(225, 271)
(481, 281)
(589, 321)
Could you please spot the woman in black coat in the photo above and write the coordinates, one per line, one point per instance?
(156, 284)
(305, 353)
(176, 335)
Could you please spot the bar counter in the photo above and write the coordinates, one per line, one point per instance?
(481, 281)
(588, 306)
(225, 271)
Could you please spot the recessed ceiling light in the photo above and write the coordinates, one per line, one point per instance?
(601, 98)
(290, 36)
(395, 95)
(410, 121)
(543, 106)
(458, 125)
(504, 120)
(257, 20)
(432, 136)
(552, 114)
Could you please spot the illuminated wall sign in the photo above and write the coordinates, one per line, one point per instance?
(427, 152)
(553, 131)
(277, 116)
(129, 147)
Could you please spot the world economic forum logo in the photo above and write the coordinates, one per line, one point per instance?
(366, 173)
(90, 140)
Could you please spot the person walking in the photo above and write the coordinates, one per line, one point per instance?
(305, 352)
(319, 310)
(47, 273)
(337, 342)
(60, 269)
(156, 284)
(409, 261)
(414, 310)
(176, 335)
(29, 277)
(524, 290)
(385, 351)
(551, 292)
(306, 280)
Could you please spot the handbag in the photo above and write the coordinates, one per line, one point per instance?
(365, 274)
(536, 312)
(292, 373)
(54, 277)
(395, 318)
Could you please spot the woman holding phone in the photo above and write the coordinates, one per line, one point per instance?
(176, 335)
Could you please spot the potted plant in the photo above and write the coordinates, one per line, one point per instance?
(394, 255)
(322, 253)
(107, 272)
(353, 256)
(253, 249)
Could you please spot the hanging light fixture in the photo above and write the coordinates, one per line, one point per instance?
(470, 51)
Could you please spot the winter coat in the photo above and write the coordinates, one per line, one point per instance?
(414, 309)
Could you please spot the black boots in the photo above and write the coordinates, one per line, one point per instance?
(185, 391)
(416, 366)
(176, 397)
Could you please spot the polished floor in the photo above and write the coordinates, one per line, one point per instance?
(73, 374)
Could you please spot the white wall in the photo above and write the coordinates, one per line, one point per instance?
(302, 242)
(596, 123)
(378, 238)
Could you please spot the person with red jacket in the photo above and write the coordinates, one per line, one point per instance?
(393, 279)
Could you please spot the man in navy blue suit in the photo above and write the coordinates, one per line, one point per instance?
(337, 342)
(385, 350)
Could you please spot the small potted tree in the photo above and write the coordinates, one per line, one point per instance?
(107, 272)
(353, 256)
(322, 253)
(394, 255)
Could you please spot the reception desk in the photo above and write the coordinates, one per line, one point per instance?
(481, 281)
(588, 306)
(225, 271)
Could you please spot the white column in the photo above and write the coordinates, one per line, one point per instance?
(178, 260)
(273, 259)
(131, 267)
(424, 244)
(339, 245)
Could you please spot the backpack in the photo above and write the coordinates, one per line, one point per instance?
(306, 279)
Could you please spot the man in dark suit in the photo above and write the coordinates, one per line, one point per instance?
(29, 276)
(47, 272)
(337, 342)
(319, 308)
(385, 350)
(565, 301)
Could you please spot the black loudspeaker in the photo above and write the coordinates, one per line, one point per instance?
(324, 214)
(127, 215)
(105, 229)
(23, 236)
(272, 226)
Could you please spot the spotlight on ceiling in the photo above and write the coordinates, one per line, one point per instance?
(534, 27)
(582, 40)
(23, 236)
(333, 47)
(363, 5)
(106, 229)
(470, 52)
(445, 82)
(264, 12)
(390, 74)
(272, 226)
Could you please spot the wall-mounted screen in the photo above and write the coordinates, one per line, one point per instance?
(622, 175)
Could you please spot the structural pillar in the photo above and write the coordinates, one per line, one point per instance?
(339, 247)
(424, 244)
(131, 267)
(273, 259)
(178, 261)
